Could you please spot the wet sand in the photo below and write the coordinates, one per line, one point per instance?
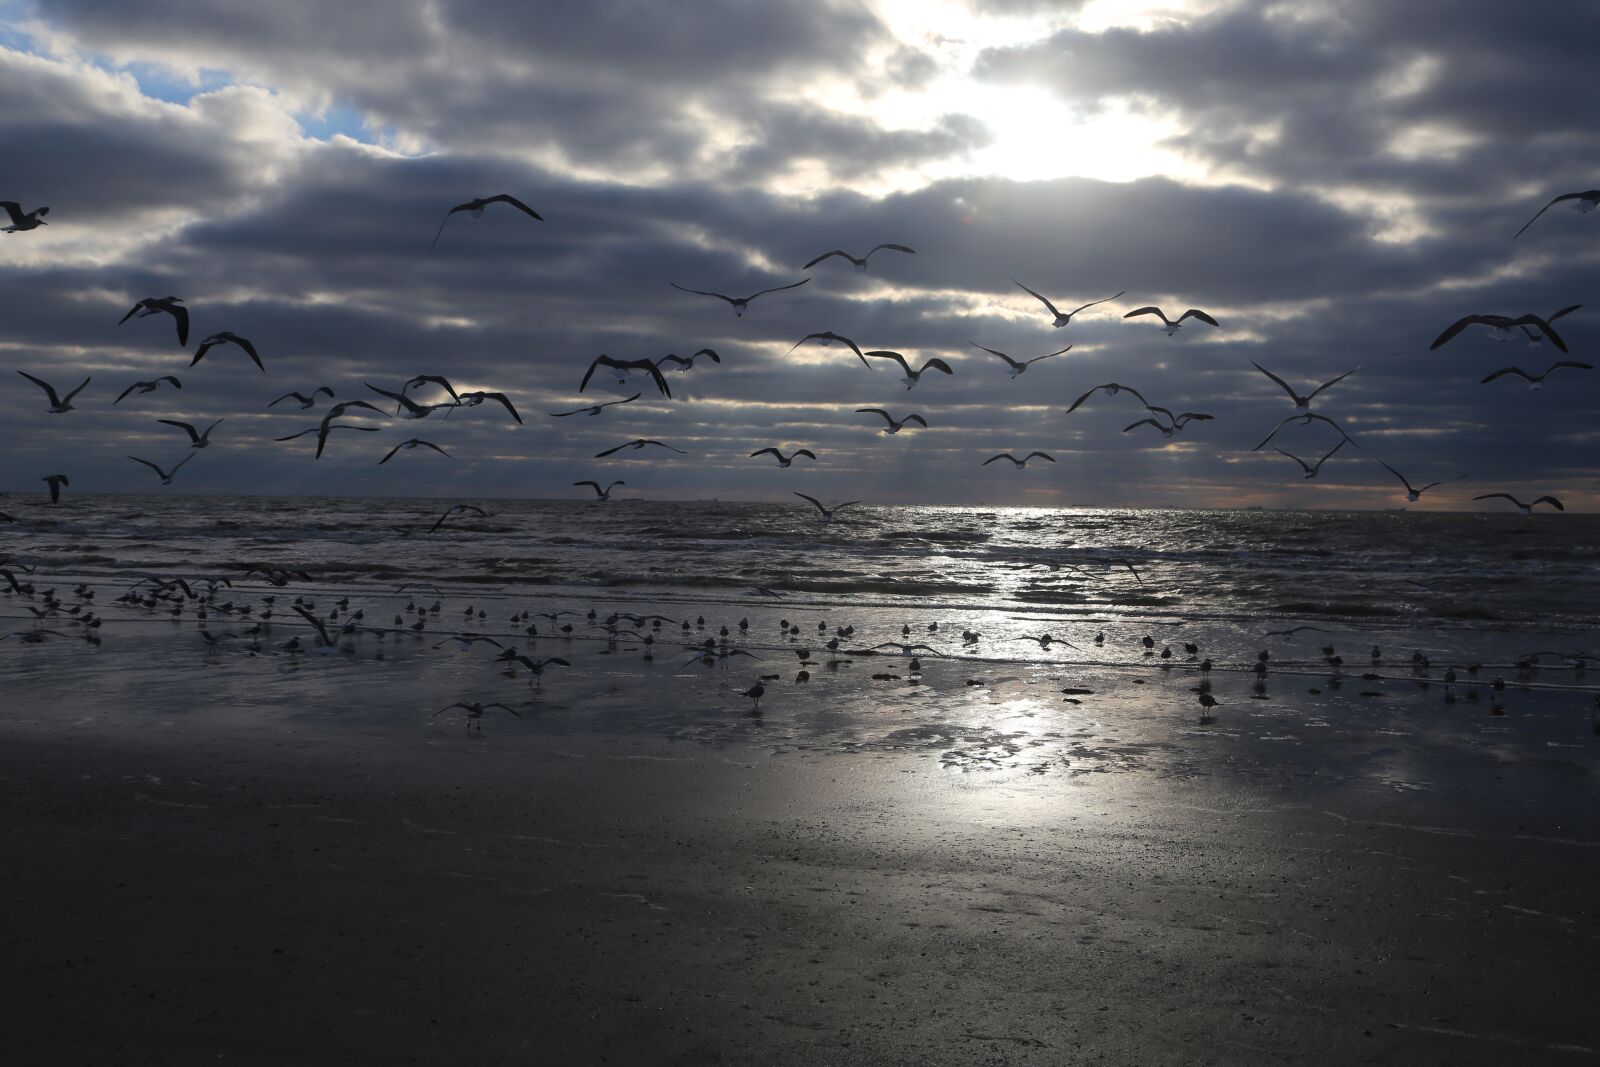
(245, 859)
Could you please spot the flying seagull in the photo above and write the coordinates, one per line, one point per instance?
(1303, 403)
(306, 402)
(227, 337)
(431, 379)
(912, 376)
(1310, 468)
(413, 443)
(827, 336)
(593, 409)
(166, 476)
(1526, 509)
(1062, 320)
(861, 264)
(826, 514)
(472, 400)
(1412, 494)
(475, 209)
(686, 364)
(1535, 339)
(55, 482)
(475, 711)
(1304, 420)
(1585, 202)
(1112, 389)
(740, 303)
(458, 509)
(1172, 324)
(894, 425)
(148, 387)
(1018, 368)
(21, 220)
(58, 405)
(1500, 328)
(603, 494)
(408, 408)
(196, 440)
(1536, 380)
(1173, 424)
(636, 445)
(1020, 463)
(621, 368)
(172, 305)
(784, 461)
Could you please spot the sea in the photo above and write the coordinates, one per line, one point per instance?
(1424, 579)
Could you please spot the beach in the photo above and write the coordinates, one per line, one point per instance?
(258, 857)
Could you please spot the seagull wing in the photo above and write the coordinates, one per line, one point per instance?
(595, 484)
(675, 359)
(200, 353)
(876, 411)
(1303, 464)
(1281, 383)
(1143, 311)
(1563, 311)
(1508, 496)
(181, 314)
(897, 357)
(1569, 363)
(1003, 455)
(1141, 422)
(655, 376)
(1503, 371)
(503, 400)
(825, 255)
(1541, 211)
(164, 475)
(918, 419)
(128, 390)
(1335, 381)
(437, 233)
(179, 465)
(777, 289)
(184, 426)
(607, 452)
(1013, 363)
(1037, 297)
(628, 400)
(507, 198)
(1275, 430)
(1461, 324)
(1544, 327)
(249, 349)
(803, 452)
(703, 292)
(936, 364)
(1552, 501)
(1048, 355)
(1196, 313)
(1079, 402)
(1044, 455)
(49, 389)
(392, 451)
(436, 448)
(892, 248)
(131, 313)
(287, 396)
(14, 209)
(1102, 300)
(814, 502)
(764, 451)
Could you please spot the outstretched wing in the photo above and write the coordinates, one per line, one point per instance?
(937, 364)
(918, 419)
(1335, 381)
(814, 503)
(703, 292)
(14, 209)
(49, 389)
(1281, 383)
(1461, 324)
(1037, 297)
(1003, 455)
(503, 400)
(1044, 455)
(507, 198)
(249, 349)
(181, 314)
(1541, 211)
(886, 354)
(1102, 300)
(836, 252)
(130, 389)
(1503, 371)
(764, 451)
(876, 411)
(1013, 363)
(1196, 313)
(152, 466)
(1147, 311)
(777, 289)
(892, 248)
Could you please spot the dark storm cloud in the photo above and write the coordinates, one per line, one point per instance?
(318, 251)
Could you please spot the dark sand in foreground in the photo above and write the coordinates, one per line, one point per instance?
(310, 875)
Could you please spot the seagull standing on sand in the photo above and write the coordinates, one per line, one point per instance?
(741, 302)
(912, 376)
(1526, 509)
(474, 209)
(1016, 367)
(172, 305)
(1172, 324)
(826, 514)
(1303, 403)
(148, 387)
(603, 494)
(861, 264)
(1535, 381)
(785, 461)
(227, 337)
(166, 476)
(21, 220)
(1019, 463)
(894, 425)
(1063, 319)
(58, 405)
(1583, 203)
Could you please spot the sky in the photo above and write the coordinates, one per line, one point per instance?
(1334, 182)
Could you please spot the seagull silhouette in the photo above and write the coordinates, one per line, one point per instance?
(1020, 463)
(58, 405)
(622, 368)
(827, 336)
(1526, 509)
(1501, 327)
(306, 402)
(894, 424)
(415, 442)
(1310, 469)
(1172, 324)
(861, 264)
(826, 514)
(196, 440)
(636, 445)
(593, 409)
(603, 494)
(1063, 318)
(784, 461)
(912, 376)
(1585, 202)
(226, 337)
(21, 220)
(148, 387)
(166, 476)
(1536, 380)
(1016, 367)
(1413, 494)
(1303, 403)
(475, 209)
(741, 302)
(172, 305)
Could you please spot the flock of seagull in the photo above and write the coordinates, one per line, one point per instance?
(1164, 421)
